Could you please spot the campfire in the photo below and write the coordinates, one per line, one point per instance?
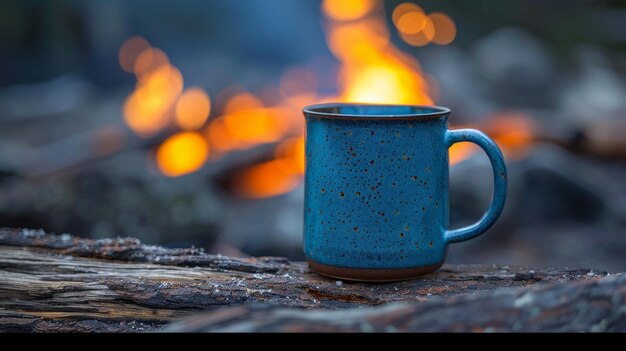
(152, 166)
(372, 70)
(206, 148)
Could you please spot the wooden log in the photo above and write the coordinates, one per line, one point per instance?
(64, 283)
(594, 305)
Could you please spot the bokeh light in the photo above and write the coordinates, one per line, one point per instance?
(150, 60)
(182, 153)
(192, 109)
(148, 109)
(403, 9)
(423, 37)
(445, 29)
(412, 22)
(130, 51)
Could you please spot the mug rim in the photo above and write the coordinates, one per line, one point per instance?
(317, 111)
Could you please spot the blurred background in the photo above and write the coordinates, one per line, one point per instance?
(178, 122)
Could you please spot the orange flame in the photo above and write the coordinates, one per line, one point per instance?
(372, 70)
(347, 10)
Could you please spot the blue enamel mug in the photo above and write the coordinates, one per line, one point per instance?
(376, 190)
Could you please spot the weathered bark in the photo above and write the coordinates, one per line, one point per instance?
(64, 283)
(594, 305)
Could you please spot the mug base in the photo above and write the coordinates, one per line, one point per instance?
(372, 275)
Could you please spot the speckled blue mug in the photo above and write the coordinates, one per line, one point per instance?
(376, 190)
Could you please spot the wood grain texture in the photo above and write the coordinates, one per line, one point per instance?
(64, 283)
(595, 305)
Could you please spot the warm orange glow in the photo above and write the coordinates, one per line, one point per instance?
(246, 122)
(445, 29)
(150, 60)
(164, 81)
(383, 84)
(347, 10)
(267, 179)
(192, 109)
(423, 37)
(182, 153)
(412, 22)
(461, 151)
(358, 41)
(402, 10)
(148, 109)
(418, 29)
(242, 101)
(512, 131)
(219, 138)
(372, 70)
(255, 126)
(293, 151)
(277, 176)
(130, 50)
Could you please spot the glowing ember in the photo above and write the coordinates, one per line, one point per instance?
(182, 153)
(192, 109)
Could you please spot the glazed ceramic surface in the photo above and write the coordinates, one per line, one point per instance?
(376, 190)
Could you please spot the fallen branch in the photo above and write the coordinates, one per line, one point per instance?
(64, 283)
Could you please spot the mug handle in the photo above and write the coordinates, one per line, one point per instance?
(499, 183)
